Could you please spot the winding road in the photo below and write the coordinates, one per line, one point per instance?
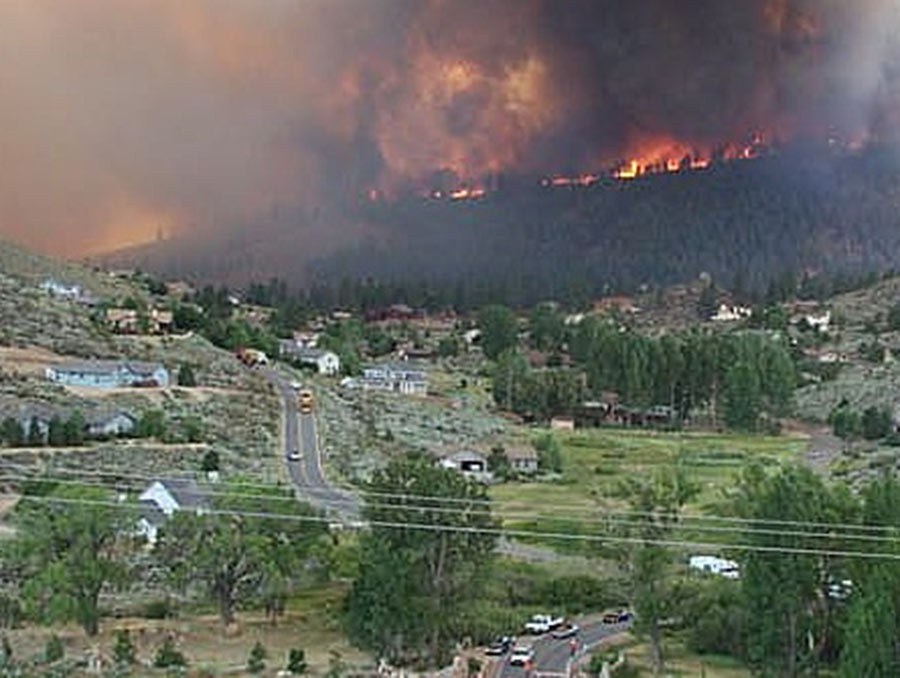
(307, 473)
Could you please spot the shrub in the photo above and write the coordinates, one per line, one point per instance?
(256, 662)
(168, 656)
(54, 650)
(158, 609)
(296, 661)
(186, 376)
(123, 650)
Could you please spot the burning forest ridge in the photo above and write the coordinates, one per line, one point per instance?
(193, 118)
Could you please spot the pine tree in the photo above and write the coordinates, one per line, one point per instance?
(256, 662)
(296, 662)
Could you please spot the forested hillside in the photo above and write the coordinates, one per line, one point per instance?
(744, 222)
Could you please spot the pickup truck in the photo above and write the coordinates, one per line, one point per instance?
(542, 623)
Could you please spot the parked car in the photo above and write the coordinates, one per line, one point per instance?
(294, 455)
(542, 623)
(567, 630)
(500, 646)
(617, 617)
(521, 655)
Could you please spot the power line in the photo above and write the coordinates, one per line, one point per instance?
(514, 515)
(497, 532)
(751, 522)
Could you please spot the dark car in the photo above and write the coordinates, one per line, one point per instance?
(500, 646)
(567, 630)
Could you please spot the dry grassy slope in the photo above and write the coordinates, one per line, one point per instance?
(860, 305)
(238, 409)
(32, 268)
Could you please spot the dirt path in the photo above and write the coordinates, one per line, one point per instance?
(824, 447)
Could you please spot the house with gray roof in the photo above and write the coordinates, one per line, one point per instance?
(164, 497)
(394, 378)
(109, 374)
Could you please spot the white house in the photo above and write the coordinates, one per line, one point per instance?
(727, 313)
(163, 498)
(116, 423)
(715, 565)
(325, 362)
(64, 290)
(819, 321)
(394, 378)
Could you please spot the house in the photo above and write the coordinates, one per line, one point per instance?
(714, 565)
(300, 341)
(325, 362)
(130, 321)
(109, 374)
(123, 320)
(252, 357)
(472, 337)
(162, 498)
(819, 321)
(161, 322)
(522, 459)
(394, 378)
(111, 424)
(64, 290)
(727, 313)
(469, 463)
(562, 424)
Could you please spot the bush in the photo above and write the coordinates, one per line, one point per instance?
(296, 661)
(168, 656)
(256, 662)
(123, 650)
(10, 611)
(54, 650)
(157, 609)
(186, 376)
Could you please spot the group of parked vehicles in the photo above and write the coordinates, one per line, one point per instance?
(522, 654)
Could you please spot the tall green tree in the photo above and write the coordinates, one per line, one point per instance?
(68, 553)
(789, 613)
(872, 642)
(657, 503)
(414, 583)
(226, 554)
(742, 397)
(499, 330)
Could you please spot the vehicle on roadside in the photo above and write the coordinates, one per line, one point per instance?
(617, 616)
(296, 385)
(521, 655)
(500, 646)
(542, 623)
(294, 455)
(567, 630)
(306, 402)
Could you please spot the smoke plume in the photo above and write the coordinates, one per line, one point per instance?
(120, 121)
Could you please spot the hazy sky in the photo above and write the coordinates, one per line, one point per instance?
(121, 118)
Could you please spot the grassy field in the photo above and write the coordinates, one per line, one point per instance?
(595, 462)
(681, 662)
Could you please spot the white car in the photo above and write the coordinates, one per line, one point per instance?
(294, 455)
(521, 655)
(542, 623)
(296, 385)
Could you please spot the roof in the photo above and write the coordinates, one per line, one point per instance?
(186, 492)
(466, 455)
(150, 512)
(520, 453)
(313, 353)
(109, 367)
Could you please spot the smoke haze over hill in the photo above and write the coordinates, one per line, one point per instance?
(119, 121)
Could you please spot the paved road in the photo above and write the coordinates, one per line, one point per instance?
(307, 473)
(551, 657)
